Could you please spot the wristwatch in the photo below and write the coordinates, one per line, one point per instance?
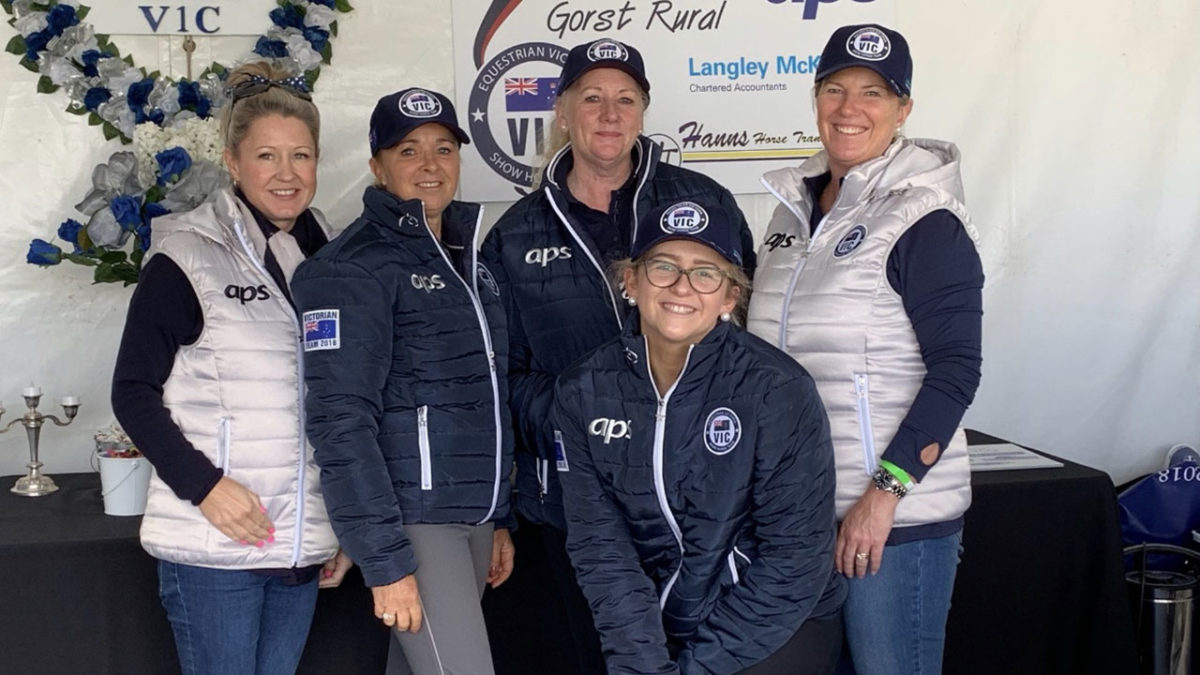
(884, 480)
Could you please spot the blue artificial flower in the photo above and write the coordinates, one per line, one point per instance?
(272, 49)
(69, 231)
(192, 98)
(288, 16)
(317, 37)
(152, 211)
(139, 93)
(127, 210)
(331, 4)
(91, 58)
(43, 253)
(36, 42)
(172, 162)
(143, 236)
(59, 18)
(95, 96)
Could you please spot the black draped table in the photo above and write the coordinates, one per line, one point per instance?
(1039, 589)
(78, 595)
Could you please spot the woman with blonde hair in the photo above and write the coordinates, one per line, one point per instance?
(208, 385)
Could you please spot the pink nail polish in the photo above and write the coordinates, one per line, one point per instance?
(270, 540)
(244, 542)
(262, 508)
(259, 544)
(270, 530)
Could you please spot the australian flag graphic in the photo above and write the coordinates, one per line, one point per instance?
(530, 94)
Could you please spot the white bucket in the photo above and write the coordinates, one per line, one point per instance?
(123, 484)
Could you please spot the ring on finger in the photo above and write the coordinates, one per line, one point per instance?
(862, 557)
(388, 616)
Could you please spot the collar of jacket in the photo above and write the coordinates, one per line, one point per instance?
(906, 162)
(407, 216)
(646, 156)
(634, 345)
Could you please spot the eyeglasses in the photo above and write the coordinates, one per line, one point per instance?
(257, 85)
(704, 279)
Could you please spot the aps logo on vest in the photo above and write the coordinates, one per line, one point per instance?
(608, 429)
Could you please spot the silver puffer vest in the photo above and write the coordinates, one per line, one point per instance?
(236, 395)
(825, 299)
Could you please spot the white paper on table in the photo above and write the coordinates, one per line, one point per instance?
(1006, 457)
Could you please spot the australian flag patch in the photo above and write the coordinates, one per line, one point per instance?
(322, 330)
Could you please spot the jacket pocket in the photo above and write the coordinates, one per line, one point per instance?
(862, 394)
(223, 437)
(423, 447)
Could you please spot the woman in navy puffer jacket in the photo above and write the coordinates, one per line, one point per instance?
(697, 473)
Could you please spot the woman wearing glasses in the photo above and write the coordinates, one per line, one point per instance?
(697, 472)
(208, 385)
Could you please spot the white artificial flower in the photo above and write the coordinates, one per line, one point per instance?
(60, 71)
(300, 50)
(319, 16)
(31, 23)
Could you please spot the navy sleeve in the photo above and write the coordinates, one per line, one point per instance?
(624, 601)
(936, 270)
(530, 391)
(344, 405)
(793, 521)
(164, 315)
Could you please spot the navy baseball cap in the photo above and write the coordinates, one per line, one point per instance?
(398, 114)
(869, 45)
(603, 53)
(709, 224)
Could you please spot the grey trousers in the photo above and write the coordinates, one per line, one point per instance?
(452, 566)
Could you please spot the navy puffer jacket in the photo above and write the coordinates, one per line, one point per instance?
(405, 355)
(560, 305)
(701, 521)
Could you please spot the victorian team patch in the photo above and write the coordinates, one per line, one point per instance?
(849, 243)
(322, 330)
(722, 431)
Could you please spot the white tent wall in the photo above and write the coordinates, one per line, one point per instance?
(1078, 126)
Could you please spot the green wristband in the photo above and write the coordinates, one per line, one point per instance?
(900, 474)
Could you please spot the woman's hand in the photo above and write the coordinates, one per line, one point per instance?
(502, 558)
(864, 532)
(237, 513)
(335, 570)
(398, 605)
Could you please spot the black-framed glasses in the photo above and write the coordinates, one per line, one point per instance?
(256, 85)
(704, 279)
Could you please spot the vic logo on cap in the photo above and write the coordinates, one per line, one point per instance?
(420, 103)
(684, 218)
(869, 44)
(607, 50)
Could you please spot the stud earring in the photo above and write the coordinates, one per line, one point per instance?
(632, 302)
(726, 317)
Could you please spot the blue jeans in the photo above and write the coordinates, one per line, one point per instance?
(234, 622)
(896, 619)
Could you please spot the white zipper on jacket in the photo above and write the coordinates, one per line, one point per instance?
(239, 229)
(791, 288)
(223, 439)
(660, 487)
(473, 294)
(861, 391)
(423, 447)
(599, 270)
(643, 161)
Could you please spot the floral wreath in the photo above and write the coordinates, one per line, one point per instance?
(172, 124)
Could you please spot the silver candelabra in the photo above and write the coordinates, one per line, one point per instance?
(34, 484)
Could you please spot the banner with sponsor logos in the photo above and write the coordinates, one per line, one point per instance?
(731, 82)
